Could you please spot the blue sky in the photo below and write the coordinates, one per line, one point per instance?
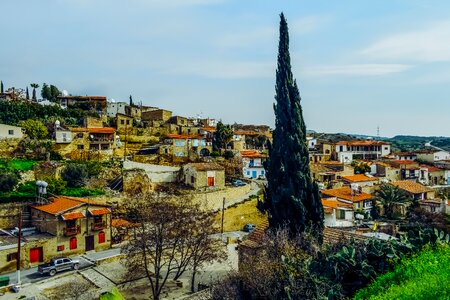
(359, 64)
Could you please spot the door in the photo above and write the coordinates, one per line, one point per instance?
(253, 174)
(210, 181)
(89, 243)
(36, 255)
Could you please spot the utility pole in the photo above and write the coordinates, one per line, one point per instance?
(19, 237)
(223, 213)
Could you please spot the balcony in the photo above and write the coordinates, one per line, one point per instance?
(71, 231)
(98, 226)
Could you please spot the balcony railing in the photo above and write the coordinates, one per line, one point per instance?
(98, 226)
(71, 231)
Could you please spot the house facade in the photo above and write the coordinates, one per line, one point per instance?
(180, 145)
(337, 213)
(10, 132)
(350, 195)
(253, 164)
(432, 156)
(204, 176)
(347, 151)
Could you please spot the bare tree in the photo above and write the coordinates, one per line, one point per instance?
(169, 238)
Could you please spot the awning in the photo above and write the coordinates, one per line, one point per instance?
(72, 216)
(99, 211)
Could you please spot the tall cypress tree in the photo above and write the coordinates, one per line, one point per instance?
(292, 198)
(1, 87)
(27, 94)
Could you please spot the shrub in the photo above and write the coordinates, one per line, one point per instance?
(75, 175)
(8, 181)
(56, 186)
(228, 154)
(215, 154)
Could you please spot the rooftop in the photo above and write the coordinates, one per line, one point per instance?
(362, 143)
(359, 178)
(61, 204)
(206, 166)
(412, 186)
(347, 194)
(252, 154)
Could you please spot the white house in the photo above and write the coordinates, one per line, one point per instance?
(433, 155)
(10, 132)
(253, 164)
(114, 108)
(405, 156)
(337, 213)
(350, 195)
(347, 151)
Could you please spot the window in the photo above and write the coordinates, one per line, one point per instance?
(101, 237)
(179, 143)
(11, 256)
(128, 122)
(248, 173)
(80, 147)
(80, 135)
(192, 179)
(340, 214)
(73, 243)
(122, 122)
(60, 248)
(11, 132)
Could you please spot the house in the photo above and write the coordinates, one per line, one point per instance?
(405, 156)
(124, 122)
(337, 213)
(158, 115)
(347, 151)
(416, 190)
(180, 145)
(431, 175)
(432, 156)
(204, 175)
(366, 182)
(323, 175)
(114, 108)
(78, 225)
(94, 103)
(63, 136)
(350, 195)
(10, 132)
(95, 139)
(250, 139)
(387, 171)
(253, 164)
(179, 121)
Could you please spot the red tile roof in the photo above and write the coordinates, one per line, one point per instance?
(252, 154)
(72, 216)
(101, 130)
(100, 211)
(346, 194)
(431, 168)
(359, 178)
(58, 205)
(331, 203)
(412, 187)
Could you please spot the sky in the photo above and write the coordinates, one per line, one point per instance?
(359, 64)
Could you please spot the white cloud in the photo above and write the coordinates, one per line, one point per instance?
(431, 44)
(308, 24)
(356, 69)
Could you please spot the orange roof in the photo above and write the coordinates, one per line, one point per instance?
(182, 136)
(412, 187)
(431, 168)
(359, 178)
(331, 203)
(252, 154)
(362, 143)
(121, 223)
(100, 211)
(346, 194)
(60, 204)
(102, 130)
(73, 216)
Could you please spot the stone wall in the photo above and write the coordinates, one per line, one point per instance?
(155, 173)
(213, 200)
(8, 146)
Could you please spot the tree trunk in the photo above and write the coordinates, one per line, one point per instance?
(194, 271)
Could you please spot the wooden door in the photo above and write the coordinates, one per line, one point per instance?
(89, 243)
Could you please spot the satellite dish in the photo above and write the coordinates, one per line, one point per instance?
(428, 144)
(112, 100)
(57, 123)
(65, 93)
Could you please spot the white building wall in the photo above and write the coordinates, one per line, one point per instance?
(10, 132)
(114, 108)
(63, 136)
(156, 173)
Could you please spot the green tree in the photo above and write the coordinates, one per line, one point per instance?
(360, 167)
(45, 91)
(54, 93)
(75, 175)
(35, 129)
(1, 87)
(27, 94)
(223, 135)
(8, 181)
(34, 86)
(390, 195)
(291, 195)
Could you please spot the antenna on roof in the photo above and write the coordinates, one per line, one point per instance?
(378, 131)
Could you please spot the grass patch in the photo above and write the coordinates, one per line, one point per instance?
(17, 164)
(424, 276)
(82, 192)
(238, 215)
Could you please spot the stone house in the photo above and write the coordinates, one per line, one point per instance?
(124, 122)
(95, 103)
(180, 146)
(432, 156)
(203, 175)
(10, 132)
(350, 195)
(179, 121)
(416, 190)
(367, 183)
(156, 115)
(77, 225)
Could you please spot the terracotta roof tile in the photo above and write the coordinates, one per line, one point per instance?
(102, 130)
(72, 216)
(252, 154)
(412, 187)
(332, 203)
(346, 194)
(359, 178)
(362, 143)
(58, 205)
(99, 211)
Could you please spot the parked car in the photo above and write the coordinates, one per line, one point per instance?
(58, 264)
(249, 227)
(238, 182)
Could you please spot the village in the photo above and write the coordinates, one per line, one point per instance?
(55, 208)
